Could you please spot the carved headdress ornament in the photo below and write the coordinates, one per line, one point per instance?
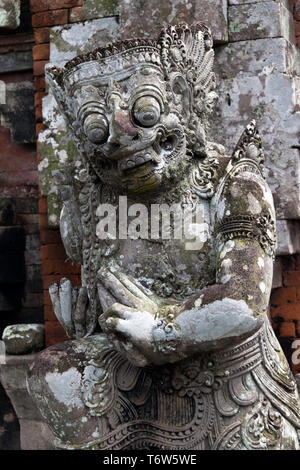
(181, 52)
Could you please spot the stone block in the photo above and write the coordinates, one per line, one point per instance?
(13, 371)
(23, 339)
(270, 98)
(260, 20)
(26, 205)
(147, 18)
(35, 435)
(9, 14)
(288, 241)
(70, 40)
(277, 274)
(16, 61)
(19, 103)
(250, 58)
(23, 404)
(99, 8)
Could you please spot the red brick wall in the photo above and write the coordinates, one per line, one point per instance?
(19, 182)
(45, 14)
(285, 304)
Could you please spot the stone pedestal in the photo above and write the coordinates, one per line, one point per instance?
(34, 433)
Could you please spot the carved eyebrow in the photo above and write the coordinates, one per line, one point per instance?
(147, 90)
(77, 87)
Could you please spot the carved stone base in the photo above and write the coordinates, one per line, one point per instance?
(239, 398)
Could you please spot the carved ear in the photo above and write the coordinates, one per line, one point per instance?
(188, 50)
(181, 89)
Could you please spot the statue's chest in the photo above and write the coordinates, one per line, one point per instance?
(174, 267)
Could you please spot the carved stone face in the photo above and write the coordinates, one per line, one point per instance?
(137, 109)
(131, 132)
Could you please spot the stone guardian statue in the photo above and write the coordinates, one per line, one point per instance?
(170, 343)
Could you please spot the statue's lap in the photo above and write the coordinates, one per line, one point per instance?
(94, 398)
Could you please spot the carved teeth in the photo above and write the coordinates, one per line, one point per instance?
(138, 161)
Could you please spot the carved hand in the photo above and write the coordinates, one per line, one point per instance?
(70, 305)
(133, 325)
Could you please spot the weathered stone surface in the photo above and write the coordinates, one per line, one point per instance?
(23, 404)
(16, 61)
(288, 241)
(70, 40)
(260, 20)
(35, 435)
(250, 58)
(23, 339)
(277, 274)
(9, 425)
(145, 19)
(19, 103)
(270, 98)
(13, 371)
(100, 8)
(9, 14)
(285, 3)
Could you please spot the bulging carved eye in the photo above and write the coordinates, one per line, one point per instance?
(96, 128)
(146, 111)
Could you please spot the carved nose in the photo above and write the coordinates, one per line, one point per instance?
(121, 131)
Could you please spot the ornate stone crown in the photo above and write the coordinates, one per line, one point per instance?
(179, 49)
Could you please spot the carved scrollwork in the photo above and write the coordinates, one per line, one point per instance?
(249, 146)
(262, 428)
(205, 177)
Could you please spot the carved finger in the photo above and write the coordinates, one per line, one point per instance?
(79, 313)
(74, 297)
(54, 296)
(105, 298)
(65, 297)
(117, 289)
(136, 291)
(109, 318)
(91, 318)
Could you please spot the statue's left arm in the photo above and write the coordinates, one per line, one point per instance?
(235, 306)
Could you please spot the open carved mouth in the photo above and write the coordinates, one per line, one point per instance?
(131, 164)
(142, 165)
(150, 159)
